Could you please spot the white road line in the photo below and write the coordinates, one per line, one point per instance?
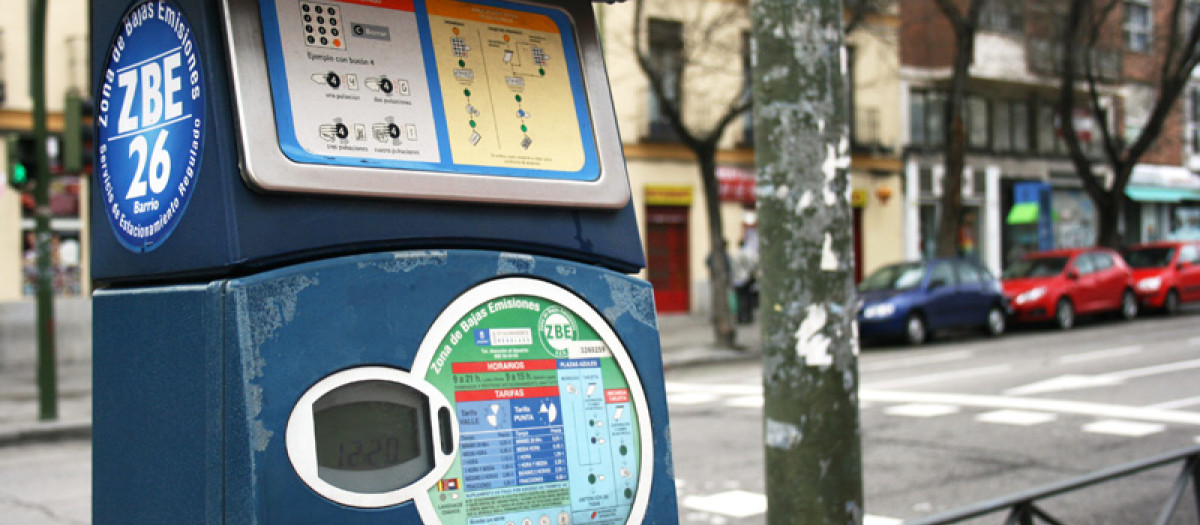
(1099, 354)
(1016, 417)
(691, 398)
(1156, 369)
(1123, 428)
(745, 402)
(715, 388)
(1155, 415)
(905, 362)
(1178, 403)
(743, 504)
(1075, 382)
(735, 503)
(921, 410)
(941, 377)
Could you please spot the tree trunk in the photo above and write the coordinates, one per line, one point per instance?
(718, 256)
(949, 223)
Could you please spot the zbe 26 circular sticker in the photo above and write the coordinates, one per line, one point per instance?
(150, 124)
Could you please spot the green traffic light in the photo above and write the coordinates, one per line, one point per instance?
(20, 175)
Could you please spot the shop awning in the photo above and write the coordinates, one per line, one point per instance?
(1161, 194)
(1023, 213)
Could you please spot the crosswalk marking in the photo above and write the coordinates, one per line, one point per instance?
(691, 398)
(744, 504)
(746, 402)
(735, 503)
(1123, 428)
(1015, 417)
(921, 410)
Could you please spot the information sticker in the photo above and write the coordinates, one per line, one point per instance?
(549, 433)
(150, 124)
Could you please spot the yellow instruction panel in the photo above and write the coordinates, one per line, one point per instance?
(505, 86)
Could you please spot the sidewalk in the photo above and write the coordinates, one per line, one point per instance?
(686, 340)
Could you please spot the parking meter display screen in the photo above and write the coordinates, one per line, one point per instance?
(371, 437)
(548, 433)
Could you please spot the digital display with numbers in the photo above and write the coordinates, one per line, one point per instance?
(371, 436)
(366, 436)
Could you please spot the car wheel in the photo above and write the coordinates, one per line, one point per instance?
(915, 331)
(1129, 305)
(1171, 303)
(996, 321)
(1064, 314)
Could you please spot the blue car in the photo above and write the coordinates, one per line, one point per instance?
(913, 300)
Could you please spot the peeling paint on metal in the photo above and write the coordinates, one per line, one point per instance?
(519, 263)
(565, 270)
(811, 344)
(781, 435)
(805, 201)
(829, 261)
(262, 310)
(629, 298)
(404, 262)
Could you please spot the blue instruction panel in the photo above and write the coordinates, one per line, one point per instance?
(491, 88)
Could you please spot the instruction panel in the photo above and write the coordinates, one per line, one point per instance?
(548, 431)
(438, 85)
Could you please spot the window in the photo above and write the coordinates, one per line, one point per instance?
(1193, 126)
(1084, 265)
(748, 82)
(1045, 128)
(1002, 125)
(916, 118)
(1006, 16)
(666, 57)
(1137, 24)
(935, 118)
(975, 111)
(968, 274)
(1102, 261)
(1020, 126)
(926, 112)
(1189, 254)
(942, 275)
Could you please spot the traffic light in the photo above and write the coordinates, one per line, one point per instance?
(22, 162)
(77, 135)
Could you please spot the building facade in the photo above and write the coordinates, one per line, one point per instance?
(703, 45)
(67, 62)
(1015, 152)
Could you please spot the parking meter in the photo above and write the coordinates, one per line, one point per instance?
(366, 261)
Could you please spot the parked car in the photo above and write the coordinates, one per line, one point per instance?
(1061, 285)
(1166, 273)
(913, 300)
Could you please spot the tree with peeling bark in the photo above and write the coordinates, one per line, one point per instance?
(812, 440)
(964, 25)
(670, 80)
(1175, 57)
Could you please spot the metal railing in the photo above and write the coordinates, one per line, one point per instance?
(1023, 506)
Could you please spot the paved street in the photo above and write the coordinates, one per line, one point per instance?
(957, 421)
(967, 419)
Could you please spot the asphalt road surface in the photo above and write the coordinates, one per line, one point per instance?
(966, 419)
(957, 421)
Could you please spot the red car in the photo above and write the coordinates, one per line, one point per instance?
(1167, 273)
(1060, 285)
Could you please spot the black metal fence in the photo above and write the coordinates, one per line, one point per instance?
(1023, 506)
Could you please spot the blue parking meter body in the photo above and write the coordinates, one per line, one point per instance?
(367, 262)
